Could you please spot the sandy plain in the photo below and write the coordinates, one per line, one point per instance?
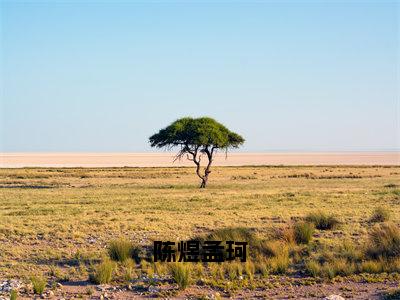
(166, 159)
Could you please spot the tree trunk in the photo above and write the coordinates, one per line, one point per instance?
(207, 171)
(204, 182)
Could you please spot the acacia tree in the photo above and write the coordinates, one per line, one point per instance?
(197, 138)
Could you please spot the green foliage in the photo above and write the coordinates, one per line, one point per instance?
(201, 132)
(103, 273)
(384, 241)
(303, 232)
(380, 214)
(180, 272)
(322, 221)
(38, 284)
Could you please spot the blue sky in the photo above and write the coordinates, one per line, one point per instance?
(292, 76)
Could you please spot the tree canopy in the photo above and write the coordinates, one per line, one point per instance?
(201, 132)
(197, 136)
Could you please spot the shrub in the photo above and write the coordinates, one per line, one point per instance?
(121, 250)
(303, 232)
(38, 284)
(384, 241)
(13, 295)
(180, 272)
(103, 273)
(322, 221)
(380, 214)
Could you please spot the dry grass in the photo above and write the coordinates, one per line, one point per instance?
(66, 217)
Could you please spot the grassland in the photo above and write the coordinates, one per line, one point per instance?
(57, 223)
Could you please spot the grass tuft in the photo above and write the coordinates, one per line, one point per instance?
(121, 250)
(384, 241)
(371, 266)
(303, 232)
(103, 273)
(38, 284)
(13, 295)
(180, 272)
(322, 221)
(239, 234)
(380, 214)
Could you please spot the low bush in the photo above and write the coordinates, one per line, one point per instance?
(103, 273)
(380, 214)
(180, 272)
(303, 232)
(322, 221)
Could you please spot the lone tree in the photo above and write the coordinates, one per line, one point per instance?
(197, 137)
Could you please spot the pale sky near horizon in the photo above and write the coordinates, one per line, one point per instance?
(289, 76)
